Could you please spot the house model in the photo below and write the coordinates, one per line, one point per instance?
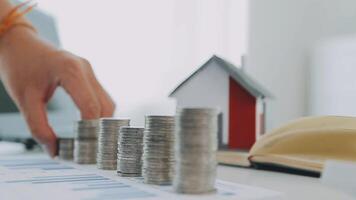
(241, 101)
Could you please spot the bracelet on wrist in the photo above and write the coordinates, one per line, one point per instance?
(14, 18)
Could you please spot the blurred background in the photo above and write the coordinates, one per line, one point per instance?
(141, 50)
(302, 51)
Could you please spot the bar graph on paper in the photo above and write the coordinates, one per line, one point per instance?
(37, 178)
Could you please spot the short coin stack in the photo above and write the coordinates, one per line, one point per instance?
(158, 150)
(196, 146)
(108, 142)
(65, 148)
(129, 157)
(85, 144)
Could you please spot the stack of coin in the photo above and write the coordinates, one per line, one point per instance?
(130, 147)
(65, 148)
(158, 150)
(108, 141)
(195, 150)
(85, 144)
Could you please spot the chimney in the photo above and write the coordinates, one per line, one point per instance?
(243, 62)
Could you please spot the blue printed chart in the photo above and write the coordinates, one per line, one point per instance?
(37, 177)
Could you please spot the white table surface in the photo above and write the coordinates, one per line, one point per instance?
(292, 186)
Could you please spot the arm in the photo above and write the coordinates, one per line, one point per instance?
(32, 69)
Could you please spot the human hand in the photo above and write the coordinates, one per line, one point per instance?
(32, 69)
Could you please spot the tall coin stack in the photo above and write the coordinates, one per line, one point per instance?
(158, 150)
(129, 157)
(108, 142)
(65, 148)
(195, 149)
(85, 144)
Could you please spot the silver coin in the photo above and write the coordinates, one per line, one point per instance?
(86, 129)
(195, 150)
(65, 148)
(130, 148)
(85, 144)
(108, 142)
(158, 156)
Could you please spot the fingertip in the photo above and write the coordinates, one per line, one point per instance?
(52, 148)
(107, 105)
(91, 111)
(34, 110)
(107, 113)
(48, 140)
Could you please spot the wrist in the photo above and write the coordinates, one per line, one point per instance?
(12, 36)
(14, 17)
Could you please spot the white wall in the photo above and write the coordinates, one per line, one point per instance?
(141, 50)
(210, 88)
(207, 27)
(281, 32)
(333, 68)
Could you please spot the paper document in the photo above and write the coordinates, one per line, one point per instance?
(40, 178)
